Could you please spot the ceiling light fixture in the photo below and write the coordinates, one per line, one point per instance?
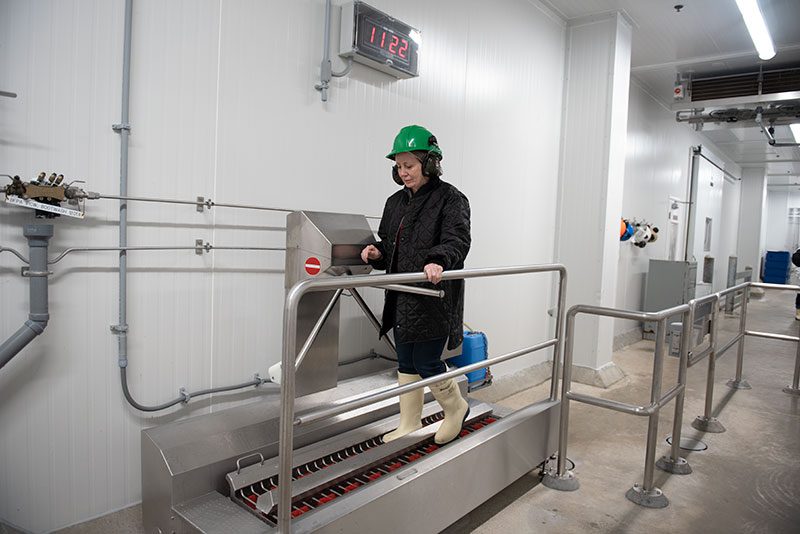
(795, 131)
(757, 28)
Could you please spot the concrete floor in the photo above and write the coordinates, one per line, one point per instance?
(748, 480)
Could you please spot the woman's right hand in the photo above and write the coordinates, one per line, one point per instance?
(370, 252)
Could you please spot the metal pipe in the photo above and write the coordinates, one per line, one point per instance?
(38, 236)
(207, 247)
(780, 287)
(770, 335)
(728, 345)
(317, 327)
(655, 394)
(371, 316)
(699, 152)
(794, 389)
(15, 253)
(688, 241)
(185, 395)
(438, 293)
(199, 203)
(287, 420)
(327, 413)
(771, 138)
(697, 358)
(742, 330)
(629, 314)
(712, 359)
(677, 420)
(121, 328)
(559, 333)
(566, 384)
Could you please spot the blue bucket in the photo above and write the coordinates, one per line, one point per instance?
(474, 349)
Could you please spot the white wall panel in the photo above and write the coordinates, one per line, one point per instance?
(657, 169)
(781, 233)
(223, 105)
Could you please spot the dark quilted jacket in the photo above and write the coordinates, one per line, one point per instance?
(435, 229)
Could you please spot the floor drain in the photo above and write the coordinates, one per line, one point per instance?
(690, 444)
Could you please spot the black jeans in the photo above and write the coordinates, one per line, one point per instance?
(421, 357)
(797, 302)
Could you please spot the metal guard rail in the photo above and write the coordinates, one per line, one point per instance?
(647, 494)
(288, 420)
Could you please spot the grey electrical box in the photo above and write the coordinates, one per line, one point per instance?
(669, 283)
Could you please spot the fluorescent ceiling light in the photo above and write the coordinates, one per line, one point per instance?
(795, 131)
(757, 28)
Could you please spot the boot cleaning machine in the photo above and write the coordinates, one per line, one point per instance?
(221, 472)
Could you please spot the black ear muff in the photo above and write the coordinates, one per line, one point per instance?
(431, 164)
(396, 175)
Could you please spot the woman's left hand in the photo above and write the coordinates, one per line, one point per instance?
(434, 272)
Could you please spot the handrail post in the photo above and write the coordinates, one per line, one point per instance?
(286, 440)
(794, 389)
(564, 479)
(739, 382)
(674, 463)
(706, 422)
(559, 333)
(647, 494)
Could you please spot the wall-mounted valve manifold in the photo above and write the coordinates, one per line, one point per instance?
(45, 195)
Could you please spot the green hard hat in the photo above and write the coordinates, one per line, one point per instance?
(413, 138)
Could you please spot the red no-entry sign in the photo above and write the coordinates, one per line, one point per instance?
(312, 266)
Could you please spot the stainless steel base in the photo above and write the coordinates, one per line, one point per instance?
(791, 390)
(458, 477)
(739, 384)
(681, 467)
(184, 466)
(653, 498)
(566, 482)
(708, 424)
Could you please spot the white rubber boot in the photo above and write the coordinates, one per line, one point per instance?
(410, 409)
(456, 410)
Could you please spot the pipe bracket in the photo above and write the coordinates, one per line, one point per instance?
(185, 394)
(119, 329)
(121, 126)
(25, 271)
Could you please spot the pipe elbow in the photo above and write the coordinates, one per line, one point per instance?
(37, 326)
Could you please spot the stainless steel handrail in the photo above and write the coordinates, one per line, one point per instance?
(794, 388)
(647, 494)
(293, 297)
(563, 479)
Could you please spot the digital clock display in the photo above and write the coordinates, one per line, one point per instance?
(379, 40)
(385, 41)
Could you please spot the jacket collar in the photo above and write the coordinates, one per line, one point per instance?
(429, 186)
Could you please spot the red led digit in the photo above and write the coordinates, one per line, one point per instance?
(383, 38)
(393, 45)
(372, 37)
(403, 47)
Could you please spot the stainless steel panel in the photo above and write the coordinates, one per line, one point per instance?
(189, 458)
(456, 479)
(334, 240)
(213, 513)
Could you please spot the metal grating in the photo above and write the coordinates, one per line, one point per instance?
(249, 496)
(781, 81)
(725, 87)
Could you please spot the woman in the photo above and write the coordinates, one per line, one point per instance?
(425, 227)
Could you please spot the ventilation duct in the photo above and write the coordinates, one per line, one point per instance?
(752, 84)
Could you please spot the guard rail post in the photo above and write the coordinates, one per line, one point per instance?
(674, 463)
(648, 495)
(707, 422)
(794, 389)
(738, 382)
